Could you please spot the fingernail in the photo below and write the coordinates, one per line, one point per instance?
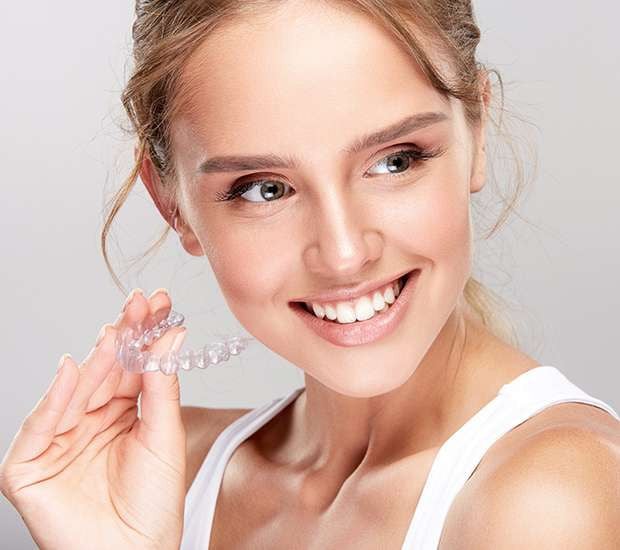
(178, 341)
(158, 291)
(62, 361)
(101, 334)
(131, 296)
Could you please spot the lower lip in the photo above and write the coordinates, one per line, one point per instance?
(361, 332)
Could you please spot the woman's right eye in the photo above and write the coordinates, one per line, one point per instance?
(268, 190)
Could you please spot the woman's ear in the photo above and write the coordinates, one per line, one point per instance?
(150, 179)
(166, 206)
(478, 174)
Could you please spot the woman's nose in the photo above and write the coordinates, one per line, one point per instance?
(343, 239)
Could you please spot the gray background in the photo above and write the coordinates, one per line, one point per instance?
(62, 154)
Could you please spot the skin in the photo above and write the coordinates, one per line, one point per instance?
(366, 406)
(372, 417)
(338, 226)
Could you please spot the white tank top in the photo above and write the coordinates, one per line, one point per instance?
(516, 401)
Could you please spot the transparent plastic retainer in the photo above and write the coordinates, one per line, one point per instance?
(133, 358)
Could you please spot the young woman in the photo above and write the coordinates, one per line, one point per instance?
(322, 155)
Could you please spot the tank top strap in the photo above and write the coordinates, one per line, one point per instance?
(201, 497)
(516, 401)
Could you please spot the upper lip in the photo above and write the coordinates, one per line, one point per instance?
(337, 294)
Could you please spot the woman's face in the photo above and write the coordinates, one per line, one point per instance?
(305, 83)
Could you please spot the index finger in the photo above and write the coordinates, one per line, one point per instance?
(38, 428)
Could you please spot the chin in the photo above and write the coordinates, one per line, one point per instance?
(366, 373)
(367, 384)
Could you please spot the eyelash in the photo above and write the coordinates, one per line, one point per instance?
(413, 153)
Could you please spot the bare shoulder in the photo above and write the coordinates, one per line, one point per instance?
(557, 487)
(202, 427)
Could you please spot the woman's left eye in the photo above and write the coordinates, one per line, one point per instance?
(397, 163)
(400, 167)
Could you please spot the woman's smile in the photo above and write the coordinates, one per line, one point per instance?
(349, 332)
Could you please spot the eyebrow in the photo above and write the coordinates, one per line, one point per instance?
(238, 163)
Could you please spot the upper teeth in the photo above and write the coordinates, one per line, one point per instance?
(361, 308)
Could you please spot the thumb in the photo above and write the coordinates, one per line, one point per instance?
(161, 425)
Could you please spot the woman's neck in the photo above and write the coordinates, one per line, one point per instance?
(325, 440)
(463, 370)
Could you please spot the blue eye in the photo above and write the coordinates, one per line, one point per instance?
(266, 189)
(410, 156)
(271, 190)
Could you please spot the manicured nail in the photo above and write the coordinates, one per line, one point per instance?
(62, 361)
(102, 334)
(131, 296)
(158, 291)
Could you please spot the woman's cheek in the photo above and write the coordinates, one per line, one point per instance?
(251, 267)
(432, 222)
(450, 237)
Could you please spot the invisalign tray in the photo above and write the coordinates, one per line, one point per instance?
(129, 344)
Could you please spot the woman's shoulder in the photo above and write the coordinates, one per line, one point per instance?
(557, 479)
(570, 438)
(203, 425)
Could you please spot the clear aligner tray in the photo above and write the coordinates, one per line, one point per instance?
(133, 358)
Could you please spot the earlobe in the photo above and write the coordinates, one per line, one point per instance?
(187, 237)
(478, 176)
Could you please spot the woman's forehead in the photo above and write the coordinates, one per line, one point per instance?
(309, 59)
(311, 77)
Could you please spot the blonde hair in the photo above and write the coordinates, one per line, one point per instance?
(165, 33)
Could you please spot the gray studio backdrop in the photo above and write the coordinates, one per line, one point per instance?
(62, 153)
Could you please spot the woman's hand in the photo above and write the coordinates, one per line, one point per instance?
(83, 470)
